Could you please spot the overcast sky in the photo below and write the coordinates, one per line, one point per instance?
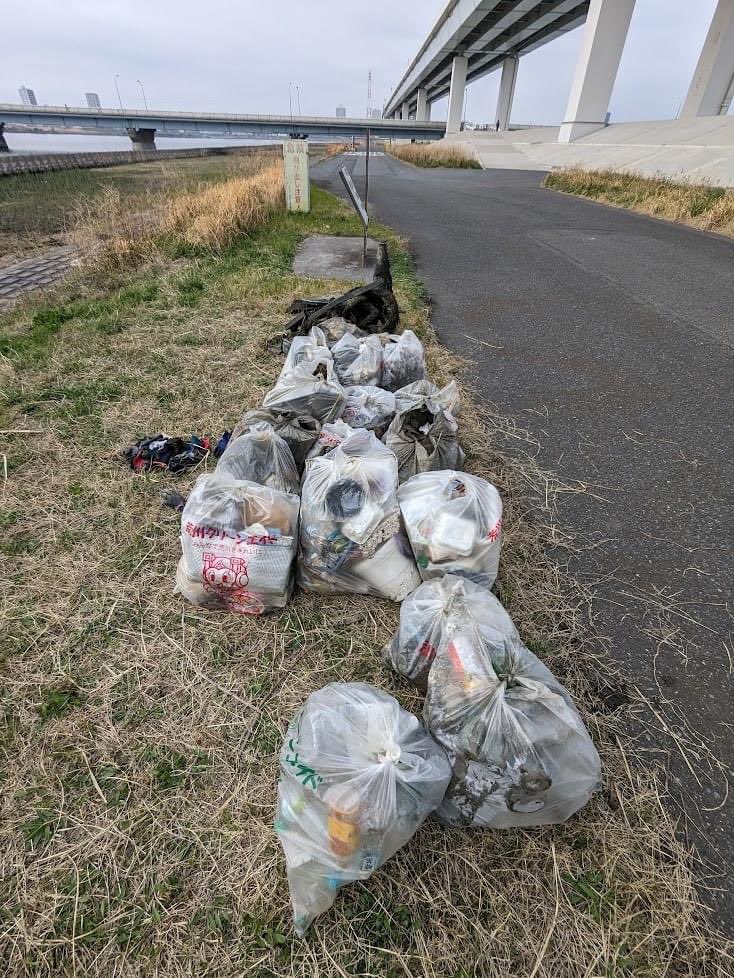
(240, 55)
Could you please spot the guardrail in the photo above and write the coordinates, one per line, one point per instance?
(48, 162)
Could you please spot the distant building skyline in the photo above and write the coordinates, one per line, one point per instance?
(27, 95)
(341, 112)
(376, 113)
(93, 101)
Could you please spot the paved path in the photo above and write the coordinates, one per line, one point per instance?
(35, 273)
(609, 335)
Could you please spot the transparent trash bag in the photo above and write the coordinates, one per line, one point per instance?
(336, 327)
(358, 361)
(446, 397)
(433, 613)
(358, 776)
(403, 361)
(332, 434)
(239, 544)
(454, 524)
(424, 434)
(350, 538)
(311, 348)
(298, 431)
(520, 752)
(368, 407)
(260, 455)
(309, 388)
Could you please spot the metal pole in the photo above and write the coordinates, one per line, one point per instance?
(298, 98)
(118, 92)
(366, 191)
(145, 100)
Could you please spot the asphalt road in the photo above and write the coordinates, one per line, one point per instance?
(610, 336)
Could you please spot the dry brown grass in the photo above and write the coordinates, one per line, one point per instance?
(699, 205)
(141, 734)
(435, 155)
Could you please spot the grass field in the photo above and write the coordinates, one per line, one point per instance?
(140, 735)
(699, 205)
(39, 209)
(435, 155)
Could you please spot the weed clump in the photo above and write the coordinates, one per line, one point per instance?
(435, 155)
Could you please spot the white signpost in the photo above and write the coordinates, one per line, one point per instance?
(295, 165)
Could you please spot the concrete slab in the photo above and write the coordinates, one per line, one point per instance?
(329, 256)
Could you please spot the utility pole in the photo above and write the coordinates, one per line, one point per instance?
(369, 94)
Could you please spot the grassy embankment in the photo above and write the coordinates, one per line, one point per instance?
(140, 735)
(699, 205)
(435, 155)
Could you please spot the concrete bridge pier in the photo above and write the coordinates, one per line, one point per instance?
(423, 109)
(712, 85)
(507, 90)
(4, 148)
(456, 93)
(143, 140)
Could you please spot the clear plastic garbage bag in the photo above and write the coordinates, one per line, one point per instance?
(433, 613)
(403, 361)
(368, 407)
(424, 434)
(309, 388)
(454, 524)
(351, 539)
(311, 348)
(239, 544)
(446, 397)
(358, 361)
(332, 434)
(298, 431)
(520, 752)
(260, 455)
(336, 327)
(358, 776)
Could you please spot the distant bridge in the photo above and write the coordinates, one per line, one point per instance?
(143, 126)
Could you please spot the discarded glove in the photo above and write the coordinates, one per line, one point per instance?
(358, 776)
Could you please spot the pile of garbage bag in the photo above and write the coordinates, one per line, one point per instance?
(519, 750)
(351, 539)
(424, 434)
(454, 524)
(358, 776)
(260, 455)
(239, 543)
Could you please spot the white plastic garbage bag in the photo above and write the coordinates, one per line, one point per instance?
(368, 407)
(310, 388)
(403, 361)
(454, 524)
(520, 753)
(260, 455)
(436, 611)
(424, 434)
(358, 776)
(358, 361)
(311, 348)
(351, 539)
(298, 431)
(239, 544)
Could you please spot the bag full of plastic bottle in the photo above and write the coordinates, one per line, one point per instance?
(298, 431)
(260, 455)
(403, 360)
(520, 753)
(239, 543)
(433, 613)
(351, 538)
(311, 348)
(358, 776)
(454, 524)
(423, 434)
(358, 361)
(368, 407)
(311, 387)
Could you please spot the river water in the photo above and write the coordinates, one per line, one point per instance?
(21, 142)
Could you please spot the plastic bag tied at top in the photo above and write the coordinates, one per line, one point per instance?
(358, 361)
(521, 754)
(351, 538)
(358, 775)
(312, 388)
(368, 407)
(424, 434)
(260, 455)
(311, 348)
(403, 361)
(298, 431)
(434, 612)
(454, 523)
(239, 543)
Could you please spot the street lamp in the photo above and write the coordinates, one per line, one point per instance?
(145, 100)
(298, 98)
(117, 87)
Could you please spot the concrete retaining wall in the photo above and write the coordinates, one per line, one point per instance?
(45, 162)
